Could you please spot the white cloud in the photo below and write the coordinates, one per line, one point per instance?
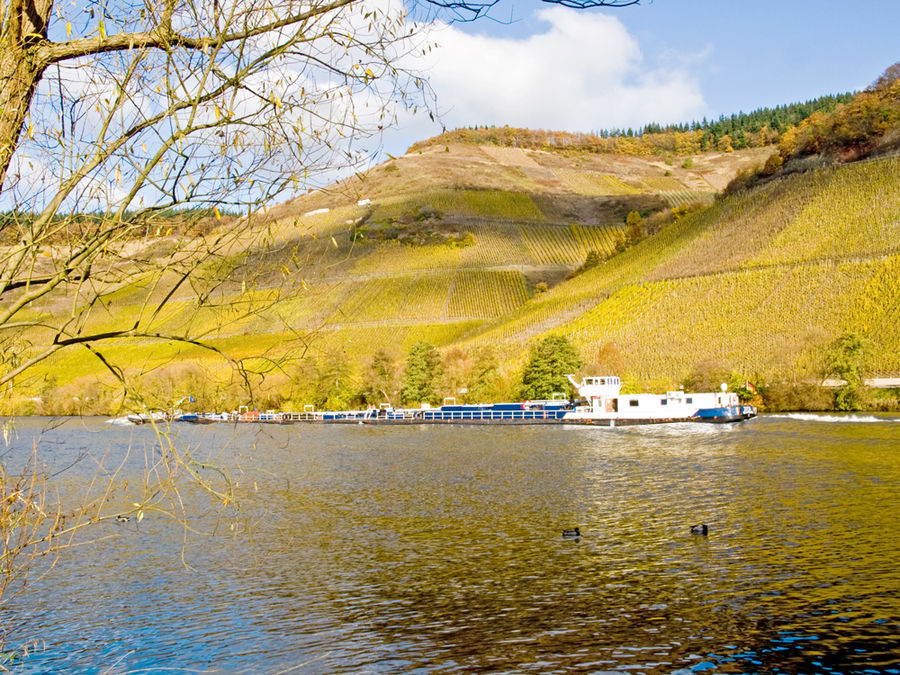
(584, 72)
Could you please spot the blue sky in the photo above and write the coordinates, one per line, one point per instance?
(543, 66)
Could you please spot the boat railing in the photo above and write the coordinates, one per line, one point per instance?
(489, 415)
(300, 416)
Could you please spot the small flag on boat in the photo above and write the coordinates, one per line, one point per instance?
(749, 387)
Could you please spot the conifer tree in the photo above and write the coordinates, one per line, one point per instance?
(423, 369)
(551, 360)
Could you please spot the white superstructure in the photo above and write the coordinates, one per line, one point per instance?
(604, 401)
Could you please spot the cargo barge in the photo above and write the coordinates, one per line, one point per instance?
(599, 403)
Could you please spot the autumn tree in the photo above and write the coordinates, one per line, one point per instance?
(634, 226)
(138, 144)
(456, 372)
(609, 360)
(335, 386)
(845, 361)
(890, 75)
(707, 375)
(486, 382)
(381, 379)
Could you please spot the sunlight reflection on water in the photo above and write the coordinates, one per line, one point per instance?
(440, 549)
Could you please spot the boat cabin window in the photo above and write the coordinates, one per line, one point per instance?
(601, 380)
(689, 400)
(634, 403)
(664, 401)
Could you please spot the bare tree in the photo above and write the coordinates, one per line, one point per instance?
(127, 110)
(161, 105)
(138, 142)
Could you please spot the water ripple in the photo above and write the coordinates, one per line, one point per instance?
(440, 549)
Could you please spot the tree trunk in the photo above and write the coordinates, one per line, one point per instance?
(21, 31)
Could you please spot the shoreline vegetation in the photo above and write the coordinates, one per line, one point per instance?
(428, 377)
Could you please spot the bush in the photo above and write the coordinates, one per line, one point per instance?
(773, 164)
(784, 396)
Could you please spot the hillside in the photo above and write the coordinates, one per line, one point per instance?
(456, 244)
(759, 128)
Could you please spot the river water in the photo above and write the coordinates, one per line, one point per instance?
(357, 549)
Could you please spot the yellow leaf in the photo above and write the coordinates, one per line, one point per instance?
(333, 241)
(218, 215)
(136, 505)
(369, 73)
(140, 516)
(31, 131)
(102, 30)
(68, 29)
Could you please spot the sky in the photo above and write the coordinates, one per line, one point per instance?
(534, 64)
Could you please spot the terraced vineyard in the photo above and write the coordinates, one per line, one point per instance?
(551, 244)
(489, 204)
(696, 291)
(663, 327)
(486, 294)
(684, 197)
(595, 184)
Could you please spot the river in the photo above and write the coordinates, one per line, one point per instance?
(357, 549)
